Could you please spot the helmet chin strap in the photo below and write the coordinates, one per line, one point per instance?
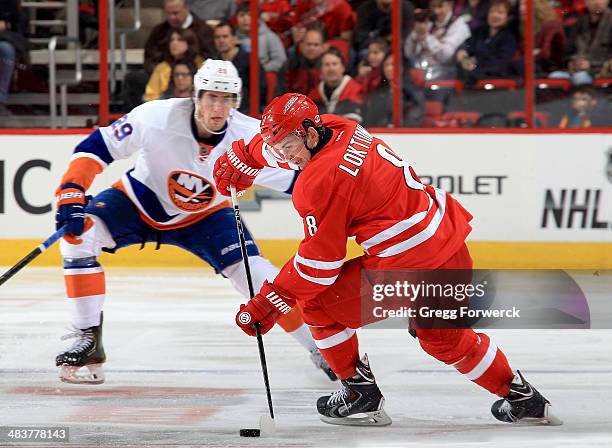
(325, 135)
(196, 115)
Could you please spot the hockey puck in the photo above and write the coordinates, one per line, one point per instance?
(250, 432)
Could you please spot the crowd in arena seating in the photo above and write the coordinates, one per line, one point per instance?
(13, 47)
(339, 52)
(459, 57)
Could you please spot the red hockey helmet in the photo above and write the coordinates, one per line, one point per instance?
(285, 115)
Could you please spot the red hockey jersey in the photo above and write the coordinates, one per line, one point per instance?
(356, 186)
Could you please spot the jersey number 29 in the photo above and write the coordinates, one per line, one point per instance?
(121, 129)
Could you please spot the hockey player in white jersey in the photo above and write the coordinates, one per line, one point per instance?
(168, 197)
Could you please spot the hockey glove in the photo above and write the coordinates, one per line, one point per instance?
(265, 308)
(71, 209)
(236, 167)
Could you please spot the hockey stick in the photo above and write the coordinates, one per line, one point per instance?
(262, 353)
(32, 255)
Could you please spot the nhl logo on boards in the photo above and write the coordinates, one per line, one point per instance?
(190, 192)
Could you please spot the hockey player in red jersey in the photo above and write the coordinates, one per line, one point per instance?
(167, 197)
(353, 184)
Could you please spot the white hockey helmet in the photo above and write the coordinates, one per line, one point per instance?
(217, 75)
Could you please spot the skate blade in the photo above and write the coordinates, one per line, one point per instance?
(89, 374)
(548, 419)
(376, 418)
(267, 425)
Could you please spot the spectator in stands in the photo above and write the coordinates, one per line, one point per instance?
(178, 16)
(473, 12)
(378, 105)
(490, 50)
(550, 40)
(272, 56)
(182, 44)
(583, 104)
(435, 39)
(222, 10)
(374, 20)
(13, 46)
(226, 44)
(606, 70)
(570, 8)
(181, 84)
(590, 43)
(336, 15)
(370, 72)
(278, 16)
(88, 23)
(304, 69)
(337, 93)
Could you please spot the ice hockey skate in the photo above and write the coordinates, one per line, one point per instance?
(524, 405)
(358, 403)
(82, 362)
(319, 361)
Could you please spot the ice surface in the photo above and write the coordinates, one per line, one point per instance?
(180, 373)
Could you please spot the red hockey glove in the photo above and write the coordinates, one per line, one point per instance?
(266, 308)
(236, 167)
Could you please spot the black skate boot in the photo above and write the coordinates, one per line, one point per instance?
(524, 405)
(82, 362)
(319, 361)
(358, 403)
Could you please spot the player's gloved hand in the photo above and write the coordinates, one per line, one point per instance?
(266, 308)
(235, 167)
(71, 209)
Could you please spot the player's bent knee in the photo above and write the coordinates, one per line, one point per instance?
(91, 242)
(261, 270)
(446, 345)
(263, 266)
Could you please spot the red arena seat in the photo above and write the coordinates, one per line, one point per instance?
(433, 112)
(418, 77)
(459, 119)
(557, 84)
(454, 84)
(521, 117)
(602, 83)
(493, 84)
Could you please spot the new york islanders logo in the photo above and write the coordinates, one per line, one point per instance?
(190, 192)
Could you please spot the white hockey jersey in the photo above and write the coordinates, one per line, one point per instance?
(171, 182)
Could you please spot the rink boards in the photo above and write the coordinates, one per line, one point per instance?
(539, 200)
